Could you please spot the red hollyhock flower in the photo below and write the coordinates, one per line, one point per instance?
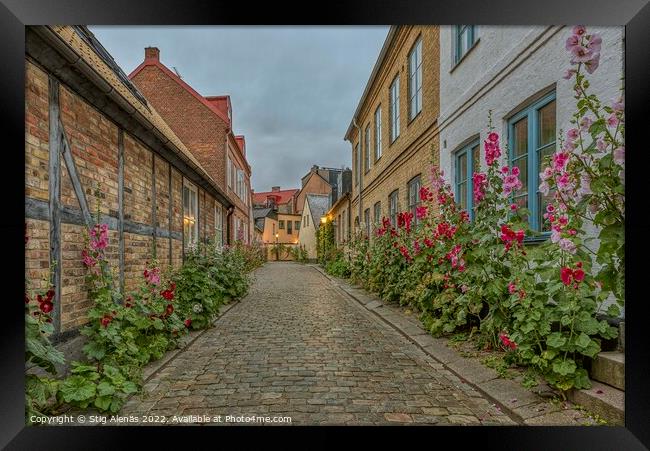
(46, 307)
(39, 298)
(188, 321)
(578, 275)
(169, 310)
(106, 320)
(49, 295)
(167, 294)
(566, 274)
(507, 342)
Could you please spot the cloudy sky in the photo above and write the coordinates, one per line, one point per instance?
(293, 89)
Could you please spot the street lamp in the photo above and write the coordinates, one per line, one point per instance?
(277, 249)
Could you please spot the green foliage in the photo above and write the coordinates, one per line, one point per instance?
(326, 246)
(299, 254)
(338, 265)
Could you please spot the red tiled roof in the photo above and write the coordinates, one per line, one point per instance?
(283, 196)
(156, 62)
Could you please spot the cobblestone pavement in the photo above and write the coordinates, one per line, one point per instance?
(296, 347)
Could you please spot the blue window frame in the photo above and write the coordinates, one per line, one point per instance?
(468, 161)
(464, 39)
(531, 138)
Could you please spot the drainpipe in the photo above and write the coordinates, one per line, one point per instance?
(230, 211)
(359, 159)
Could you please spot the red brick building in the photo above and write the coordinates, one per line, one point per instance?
(204, 125)
(89, 129)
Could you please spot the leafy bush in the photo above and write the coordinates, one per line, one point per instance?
(338, 266)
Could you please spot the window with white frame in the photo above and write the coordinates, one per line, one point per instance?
(378, 148)
(394, 109)
(414, 196)
(464, 39)
(415, 79)
(366, 145)
(218, 225)
(190, 215)
(392, 207)
(229, 172)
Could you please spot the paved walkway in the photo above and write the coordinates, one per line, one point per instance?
(296, 347)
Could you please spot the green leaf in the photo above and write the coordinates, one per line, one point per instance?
(105, 388)
(556, 340)
(77, 388)
(103, 403)
(565, 367)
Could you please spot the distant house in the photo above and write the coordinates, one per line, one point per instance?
(282, 200)
(319, 180)
(316, 205)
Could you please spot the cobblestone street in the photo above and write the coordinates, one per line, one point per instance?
(297, 347)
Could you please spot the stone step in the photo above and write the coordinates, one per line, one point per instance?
(609, 368)
(605, 401)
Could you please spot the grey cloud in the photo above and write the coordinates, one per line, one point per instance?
(294, 89)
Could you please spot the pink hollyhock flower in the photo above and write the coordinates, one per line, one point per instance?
(550, 208)
(579, 31)
(619, 155)
(544, 188)
(511, 183)
(515, 171)
(152, 276)
(618, 105)
(585, 185)
(601, 144)
(563, 182)
(555, 236)
(573, 133)
(480, 183)
(87, 258)
(567, 246)
(505, 170)
(512, 288)
(492, 152)
(546, 174)
(569, 73)
(572, 41)
(421, 212)
(560, 160)
(493, 137)
(594, 43)
(592, 64)
(513, 207)
(612, 120)
(585, 123)
(581, 54)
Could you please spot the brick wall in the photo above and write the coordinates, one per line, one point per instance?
(195, 124)
(417, 145)
(93, 139)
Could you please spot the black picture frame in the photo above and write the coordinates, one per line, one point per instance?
(633, 14)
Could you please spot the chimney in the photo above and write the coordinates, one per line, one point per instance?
(275, 189)
(152, 53)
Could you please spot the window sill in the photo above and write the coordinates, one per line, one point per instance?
(462, 58)
(537, 239)
(414, 117)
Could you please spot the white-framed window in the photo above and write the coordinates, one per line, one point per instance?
(218, 225)
(190, 214)
(229, 172)
(366, 145)
(415, 79)
(394, 109)
(378, 148)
